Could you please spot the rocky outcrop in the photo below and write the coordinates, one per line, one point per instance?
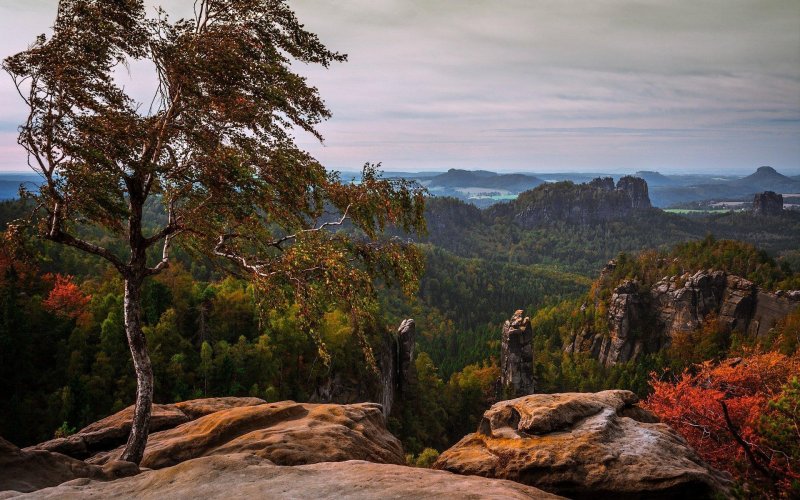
(113, 430)
(31, 470)
(395, 366)
(768, 203)
(644, 321)
(584, 445)
(516, 356)
(582, 204)
(636, 189)
(250, 476)
(287, 433)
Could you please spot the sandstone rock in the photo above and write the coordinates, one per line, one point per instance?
(286, 433)
(636, 189)
(516, 356)
(30, 470)
(584, 445)
(113, 430)
(768, 203)
(640, 322)
(604, 183)
(249, 476)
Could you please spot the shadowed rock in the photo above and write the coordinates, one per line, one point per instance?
(584, 445)
(516, 356)
(768, 203)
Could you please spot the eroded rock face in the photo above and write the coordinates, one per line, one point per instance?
(516, 356)
(636, 189)
(286, 433)
(642, 321)
(113, 430)
(584, 445)
(768, 203)
(31, 470)
(250, 476)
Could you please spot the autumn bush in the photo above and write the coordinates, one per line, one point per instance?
(742, 415)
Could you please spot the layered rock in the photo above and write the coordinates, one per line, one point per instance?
(250, 476)
(516, 356)
(636, 189)
(31, 470)
(644, 321)
(287, 433)
(768, 203)
(584, 445)
(113, 430)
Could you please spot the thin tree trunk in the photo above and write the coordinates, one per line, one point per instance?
(137, 440)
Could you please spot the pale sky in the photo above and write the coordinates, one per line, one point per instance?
(530, 85)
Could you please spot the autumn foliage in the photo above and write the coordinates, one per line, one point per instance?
(65, 298)
(742, 416)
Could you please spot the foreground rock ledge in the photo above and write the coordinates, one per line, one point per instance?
(584, 445)
(249, 476)
(286, 433)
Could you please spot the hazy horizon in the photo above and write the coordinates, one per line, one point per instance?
(534, 86)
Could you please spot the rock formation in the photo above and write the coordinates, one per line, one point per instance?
(516, 356)
(636, 189)
(584, 445)
(644, 321)
(249, 476)
(395, 360)
(31, 470)
(287, 433)
(595, 202)
(768, 203)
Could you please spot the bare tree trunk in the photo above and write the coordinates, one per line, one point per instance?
(137, 440)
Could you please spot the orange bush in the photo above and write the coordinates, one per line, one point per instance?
(723, 410)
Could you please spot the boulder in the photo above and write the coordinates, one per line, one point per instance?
(287, 433)
(113, 430)
(31, 470)
(584, 445)
(250, 476)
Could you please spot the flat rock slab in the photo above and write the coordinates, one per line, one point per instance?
(249, 476)
(584, 445)
(112, 431)
(286, 433)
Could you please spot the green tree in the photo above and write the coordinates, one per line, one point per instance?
(214, 147)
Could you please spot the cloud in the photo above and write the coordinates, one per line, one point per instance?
(596, 85)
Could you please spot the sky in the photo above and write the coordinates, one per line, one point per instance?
(679, 86)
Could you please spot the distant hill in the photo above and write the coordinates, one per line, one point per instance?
(9, 184)
(768, 179)
(456, 178)
(655, 179)
(763, 179)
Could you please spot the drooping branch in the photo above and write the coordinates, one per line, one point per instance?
(748, 451)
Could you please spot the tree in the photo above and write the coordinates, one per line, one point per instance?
(741, 415)
(214, 148)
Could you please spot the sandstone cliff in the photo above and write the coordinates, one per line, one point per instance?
(640, 321)
(590, 203)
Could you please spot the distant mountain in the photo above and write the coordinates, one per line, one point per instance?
(763, 179)
(456, 178)
(655, 179)
(768, 179)
(9, 184)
